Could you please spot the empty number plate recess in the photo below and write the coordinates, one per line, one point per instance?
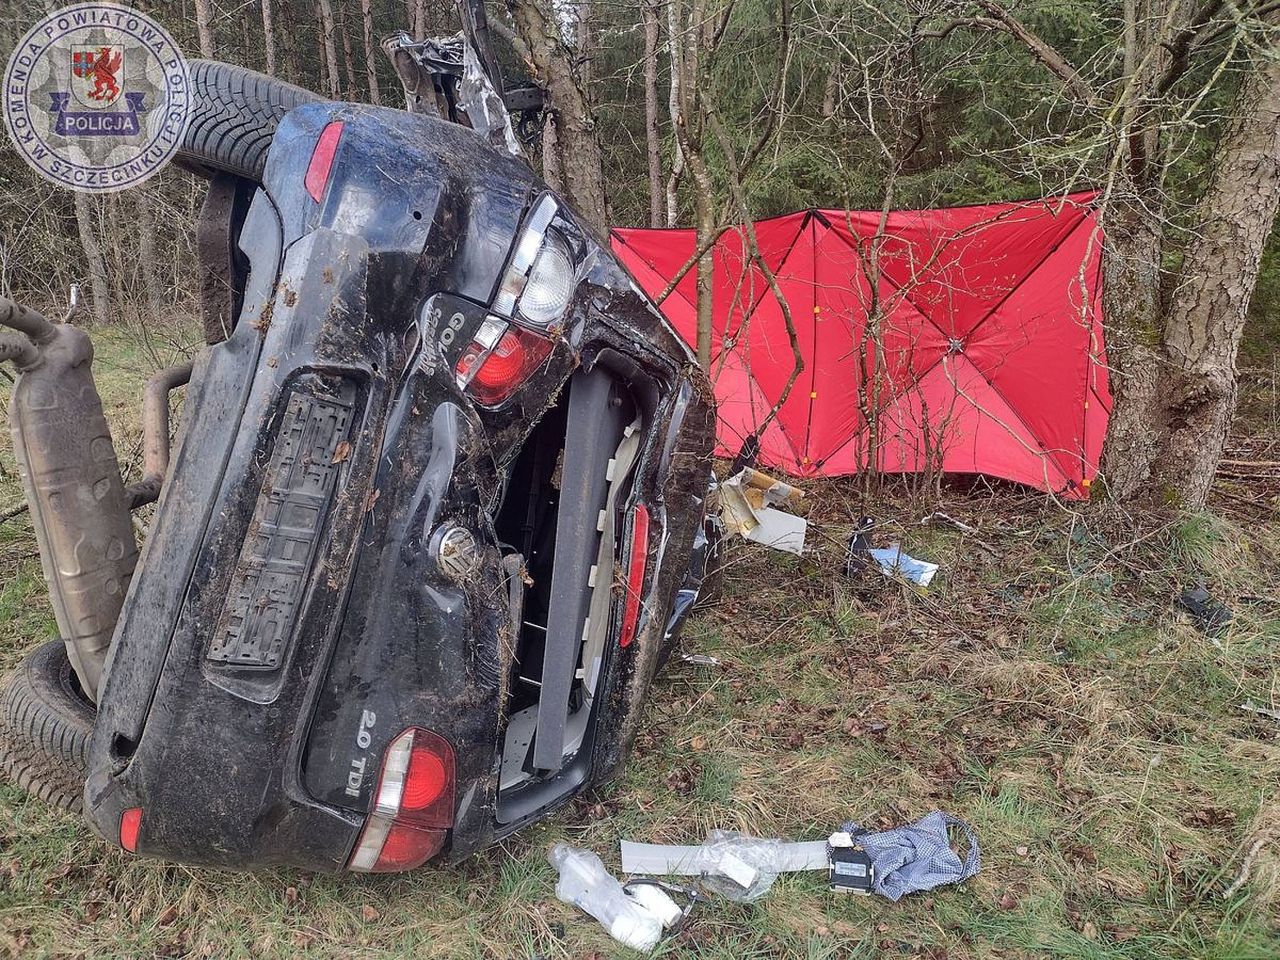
(288, 526)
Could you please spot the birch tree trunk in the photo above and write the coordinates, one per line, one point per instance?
(370, 57)
(652, 143)
(325, 10)
(204, 28)
(269, 37)
(1207, 312)
(675, 54)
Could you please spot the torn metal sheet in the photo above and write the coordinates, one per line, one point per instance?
(748, 507)
(483, 105)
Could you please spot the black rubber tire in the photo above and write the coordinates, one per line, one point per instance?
(45, 723)
(234, 116)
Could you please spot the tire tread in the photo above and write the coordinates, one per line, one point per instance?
(234, 116)
(45, 729)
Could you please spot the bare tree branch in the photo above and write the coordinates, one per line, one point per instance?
(1042, 50)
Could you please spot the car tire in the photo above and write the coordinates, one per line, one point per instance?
(45, 724)
(234, 116)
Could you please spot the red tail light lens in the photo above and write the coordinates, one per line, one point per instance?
(413, 805)
(426, 780)
(130, 826)
(322, 160)
(492, 375)
(407, 847)
(635, 574)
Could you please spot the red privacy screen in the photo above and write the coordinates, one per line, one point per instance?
(985, 354)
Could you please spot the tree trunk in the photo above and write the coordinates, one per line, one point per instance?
(420, 19)
(145, 201)
(652, 143)
(586, 44)
(325, 10)
(576, 143)
(204, 28)
(1207, 314)
(370, 58)
(706, 267)
(1131, 305)
(348, 61)
(269, 37)
(674, 97)
(290, 42)
(829, 91)
(99, 288)
(551, 171)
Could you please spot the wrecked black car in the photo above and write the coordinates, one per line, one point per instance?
(415, 560)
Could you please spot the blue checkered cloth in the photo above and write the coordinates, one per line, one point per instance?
(918, 856)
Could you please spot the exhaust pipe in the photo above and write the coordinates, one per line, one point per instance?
(72, 481)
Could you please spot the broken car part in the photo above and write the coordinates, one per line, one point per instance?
(155, 433)
(748, 507)
(851, 869)
(71, 477)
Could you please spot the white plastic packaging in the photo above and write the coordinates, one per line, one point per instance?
(655, 901)
(741, 868)
(585, 883)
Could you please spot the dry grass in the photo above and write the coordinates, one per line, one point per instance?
(1045, 688)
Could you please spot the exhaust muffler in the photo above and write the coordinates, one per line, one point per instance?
(71, 476)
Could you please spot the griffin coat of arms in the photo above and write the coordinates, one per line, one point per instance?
(97, 74)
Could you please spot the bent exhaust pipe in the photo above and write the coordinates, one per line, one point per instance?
(72, 481)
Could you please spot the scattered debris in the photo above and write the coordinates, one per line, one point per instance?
(740, 868)
(1210, 616)
(891, 560)
(858, 556)
(1250, 707)
(585, 883)
(701, 659)
(675, 860)
(938, 517)
(747, 507)
(918, 856)
(893, 863)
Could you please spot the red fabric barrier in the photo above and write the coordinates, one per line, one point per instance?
(989, 358)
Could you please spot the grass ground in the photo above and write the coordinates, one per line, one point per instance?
(1045, 688)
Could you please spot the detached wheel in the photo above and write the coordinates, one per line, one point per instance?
(45, 723)
(234, 116)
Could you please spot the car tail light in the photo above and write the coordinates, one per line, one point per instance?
(322, 160)
(498, 360)
(130, 826)
(635, 574)
(412, 807)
